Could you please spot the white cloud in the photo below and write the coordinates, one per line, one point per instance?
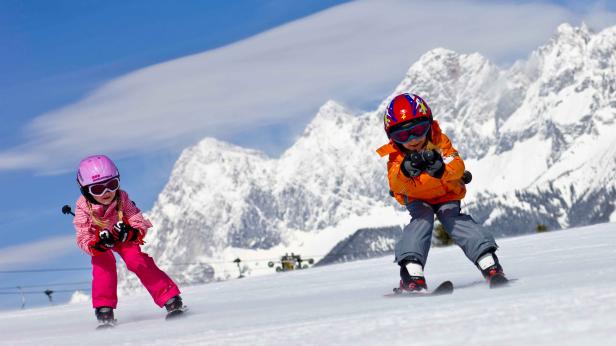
(349, 53)
(36, 252)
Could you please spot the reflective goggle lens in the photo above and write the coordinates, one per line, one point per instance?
(405, 135)
(99, 189)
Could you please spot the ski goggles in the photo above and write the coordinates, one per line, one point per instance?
(99, 189)
(409, 132)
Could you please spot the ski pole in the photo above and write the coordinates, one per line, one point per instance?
(66, 209)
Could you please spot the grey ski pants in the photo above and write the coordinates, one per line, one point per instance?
(465, 232)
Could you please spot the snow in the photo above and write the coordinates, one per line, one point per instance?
(495, 172)
(79, 297)
(573, 107)
(564, 295)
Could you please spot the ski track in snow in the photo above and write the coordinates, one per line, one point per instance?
(564, 295)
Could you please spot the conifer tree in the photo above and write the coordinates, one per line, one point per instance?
(443, 238)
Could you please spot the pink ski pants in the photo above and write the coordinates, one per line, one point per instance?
(105, 277)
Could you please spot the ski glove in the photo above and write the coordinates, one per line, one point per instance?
(124, 232)
(435, 166)
(104, 242)
(413, 164)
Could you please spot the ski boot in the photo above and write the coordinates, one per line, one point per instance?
(104, 315)
(414, 284)
(174, 307)
(411, 278)
(491, 270)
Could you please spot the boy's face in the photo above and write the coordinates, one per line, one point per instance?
(415, 144)
(106, 198)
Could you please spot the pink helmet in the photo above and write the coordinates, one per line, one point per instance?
(96, 168)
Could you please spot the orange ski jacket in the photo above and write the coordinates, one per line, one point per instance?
(424, 187)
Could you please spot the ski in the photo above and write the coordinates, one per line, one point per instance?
(171, 315)
(445, 288)
(499, 281)
(106, 325)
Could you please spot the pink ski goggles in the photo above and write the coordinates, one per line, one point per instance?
(409, 132)
(99, 189)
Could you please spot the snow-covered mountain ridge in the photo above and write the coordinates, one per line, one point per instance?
(538, 138)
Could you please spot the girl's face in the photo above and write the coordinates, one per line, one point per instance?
(106, 198)
(415, 144)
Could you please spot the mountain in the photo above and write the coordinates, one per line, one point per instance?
(365, 243)
(537, 136)
(553, 156)
(564, 295)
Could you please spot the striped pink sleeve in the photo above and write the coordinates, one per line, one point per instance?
(86, 232)
(133, 216)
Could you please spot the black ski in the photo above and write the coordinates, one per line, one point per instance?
(106, 324)
(499, 281)
(445, 288)
(171, 315)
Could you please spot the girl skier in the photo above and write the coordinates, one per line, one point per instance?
(107, 220)
(425, 175)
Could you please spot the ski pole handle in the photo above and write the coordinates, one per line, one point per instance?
(467, 177)
(66, 209)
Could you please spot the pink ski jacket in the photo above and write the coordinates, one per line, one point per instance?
(87, 228)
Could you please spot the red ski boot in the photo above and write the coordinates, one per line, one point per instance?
(411, 277)
(414, 284)
(492, 271)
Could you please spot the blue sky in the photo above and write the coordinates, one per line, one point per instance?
(68, 69)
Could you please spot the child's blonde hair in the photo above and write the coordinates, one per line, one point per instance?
(100, 222)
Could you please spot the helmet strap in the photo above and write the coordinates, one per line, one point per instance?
(429, 135)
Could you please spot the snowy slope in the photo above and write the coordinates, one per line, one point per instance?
(538, 137)
(564, 295)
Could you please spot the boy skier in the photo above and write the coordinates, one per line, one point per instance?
(425, 175)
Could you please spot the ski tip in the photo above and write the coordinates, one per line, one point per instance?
(445, 287)
(447, 284)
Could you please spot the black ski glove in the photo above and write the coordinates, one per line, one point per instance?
(435, 166)
(413, 164)
(104, 242)
(124, 232)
